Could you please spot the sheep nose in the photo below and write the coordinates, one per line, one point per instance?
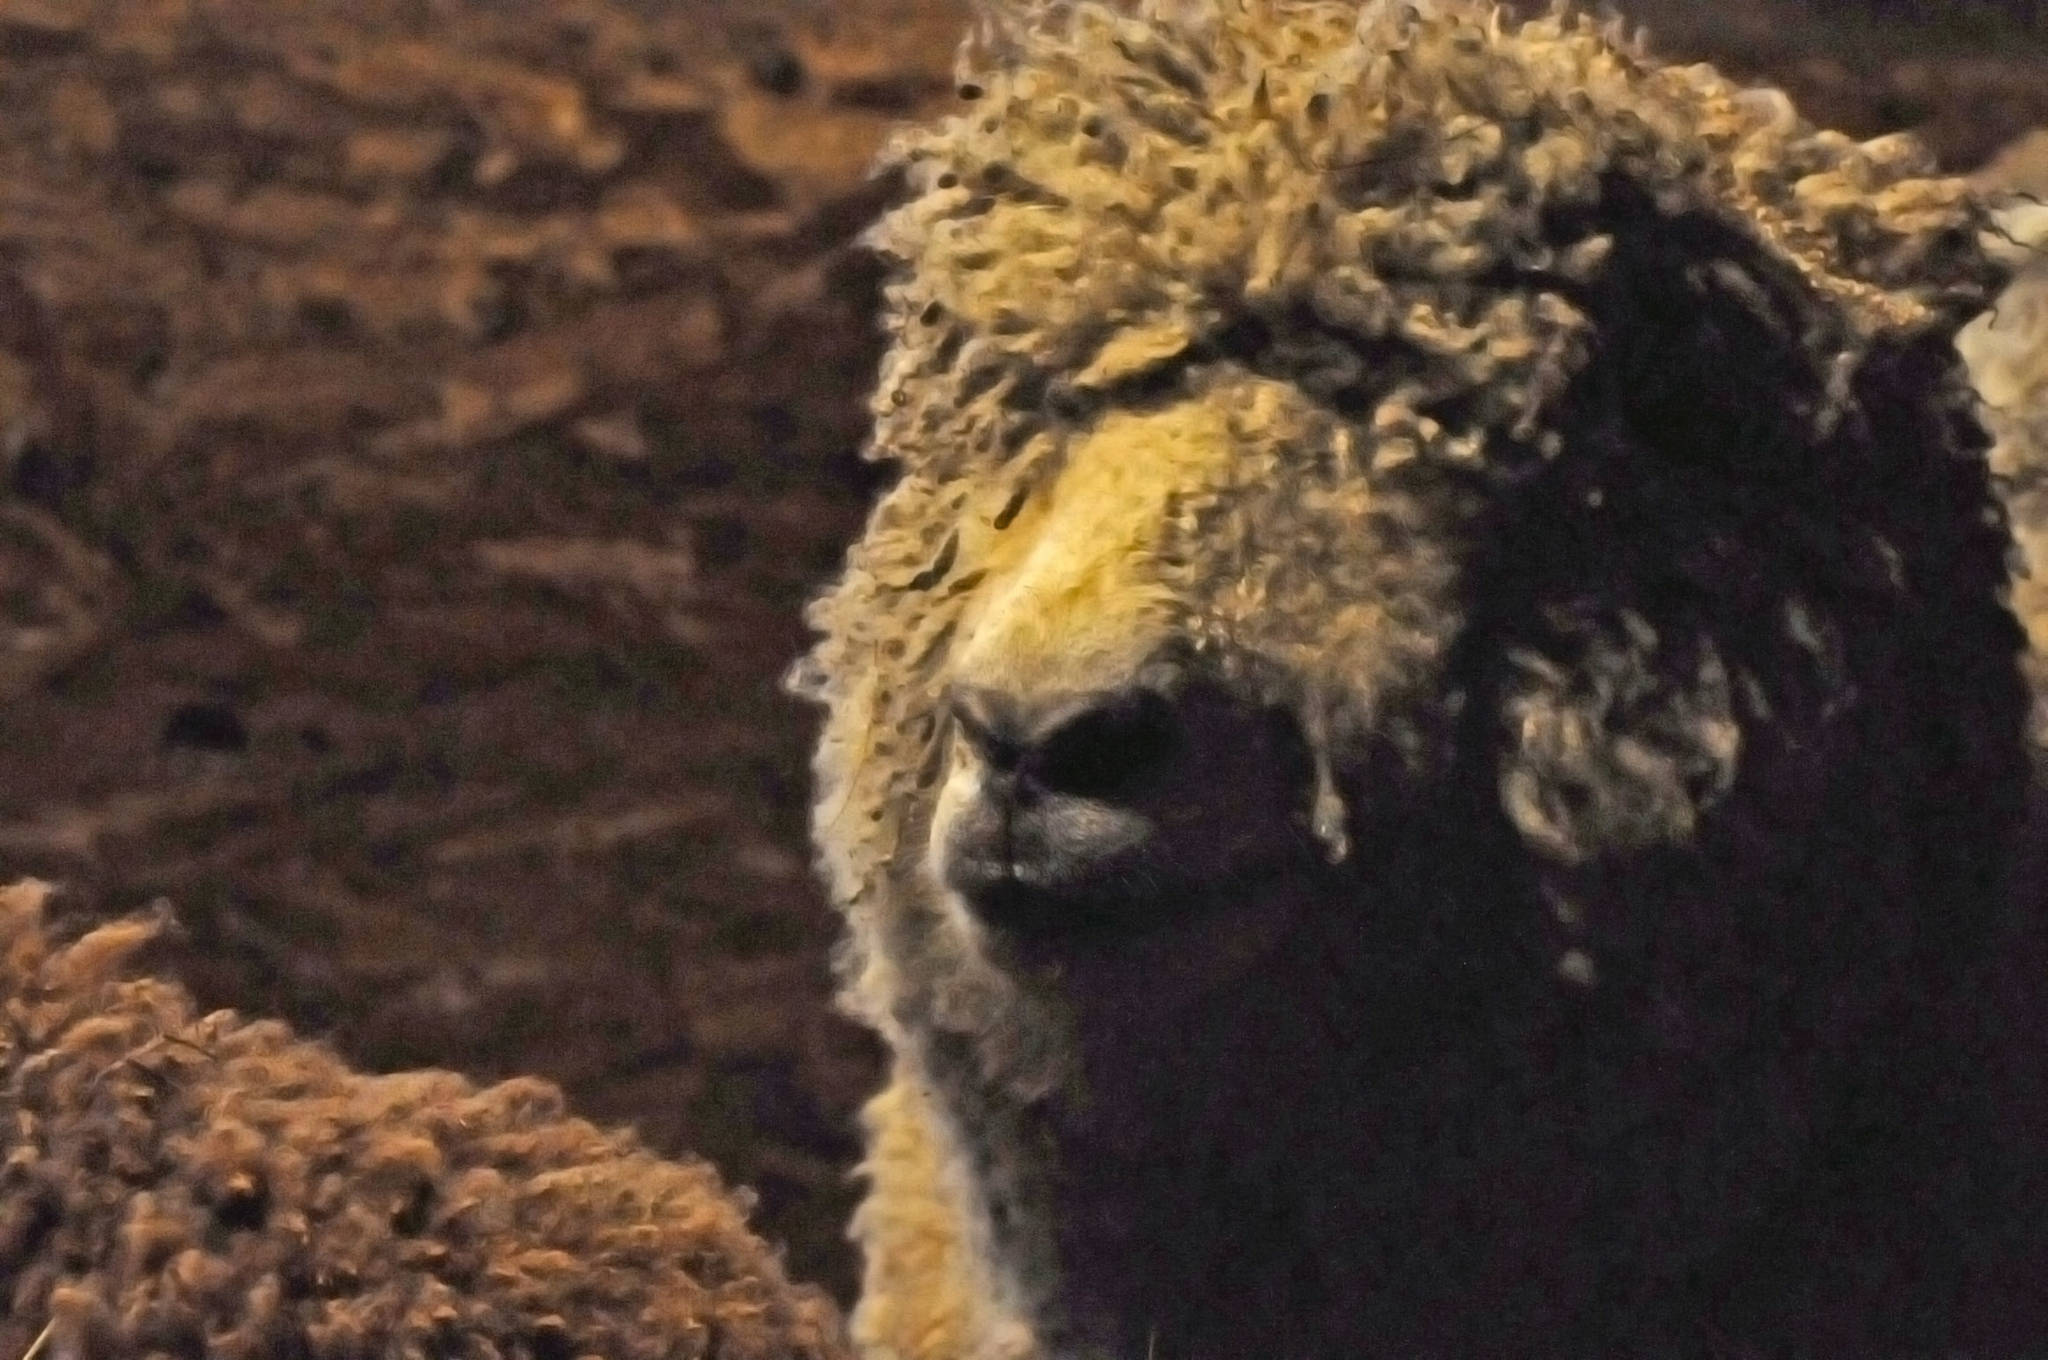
(1055, 796)
(1095, 746)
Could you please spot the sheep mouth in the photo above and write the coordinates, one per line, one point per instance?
(1015, 907)
(1032, 917)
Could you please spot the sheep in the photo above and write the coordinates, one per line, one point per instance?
(1421, 758)
(183, 1185)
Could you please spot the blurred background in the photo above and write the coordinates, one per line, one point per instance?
(420, 424)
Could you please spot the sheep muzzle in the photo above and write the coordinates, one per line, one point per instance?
(1084, 819)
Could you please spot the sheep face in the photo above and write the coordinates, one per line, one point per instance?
(1431, 717)
(1384, 839)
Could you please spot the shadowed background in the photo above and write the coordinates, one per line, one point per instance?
(421, 421)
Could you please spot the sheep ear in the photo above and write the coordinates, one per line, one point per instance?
(1620, 743)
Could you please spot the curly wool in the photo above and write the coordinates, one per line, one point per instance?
(177, 1184)
(1387, 213)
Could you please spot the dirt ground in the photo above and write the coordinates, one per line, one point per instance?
(422, 421)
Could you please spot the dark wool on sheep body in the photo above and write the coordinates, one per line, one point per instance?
(1571, 451)
(181, 1186)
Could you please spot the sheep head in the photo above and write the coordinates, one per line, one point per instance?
(1437, 661)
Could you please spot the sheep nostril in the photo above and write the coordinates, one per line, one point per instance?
(1090, 746)
(1108, 749)
(989, 728)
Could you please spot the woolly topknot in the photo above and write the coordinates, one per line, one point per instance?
(183, 1185)
(1370, 236)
